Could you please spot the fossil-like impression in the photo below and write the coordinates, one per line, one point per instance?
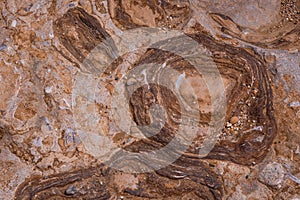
(244, 139)
(128, 14)
(284, 34)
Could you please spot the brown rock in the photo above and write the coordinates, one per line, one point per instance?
(44, 45)
(234, 120)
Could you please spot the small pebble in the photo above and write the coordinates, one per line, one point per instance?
(71, 190)
(131, 81)
(272, 174)
(71, 5)
(234, 120)
(14, 23)
(297, 150)
(48, 89)
(2, 47)
(294, 104)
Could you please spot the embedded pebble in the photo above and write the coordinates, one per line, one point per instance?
(234, 120)
(272, 174)
(2, 47)
(131, 81)
(14, 23)
(294, 104)
(48, 90)
(71, 190)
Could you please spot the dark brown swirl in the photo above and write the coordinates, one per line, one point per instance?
(127, 14)
(249, 99)
(103, 183)
(80, 184)
(80, 33)
(284, 34)
(245, 138)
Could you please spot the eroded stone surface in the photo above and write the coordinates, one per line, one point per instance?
(44, 46)
(167, 14)
(283, 33)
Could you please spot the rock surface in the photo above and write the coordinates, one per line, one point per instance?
(150, 99)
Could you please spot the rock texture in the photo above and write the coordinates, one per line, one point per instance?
(66, 131)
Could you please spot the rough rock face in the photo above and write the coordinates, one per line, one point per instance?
(124, 99)
(169, 14)
(281, 34)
